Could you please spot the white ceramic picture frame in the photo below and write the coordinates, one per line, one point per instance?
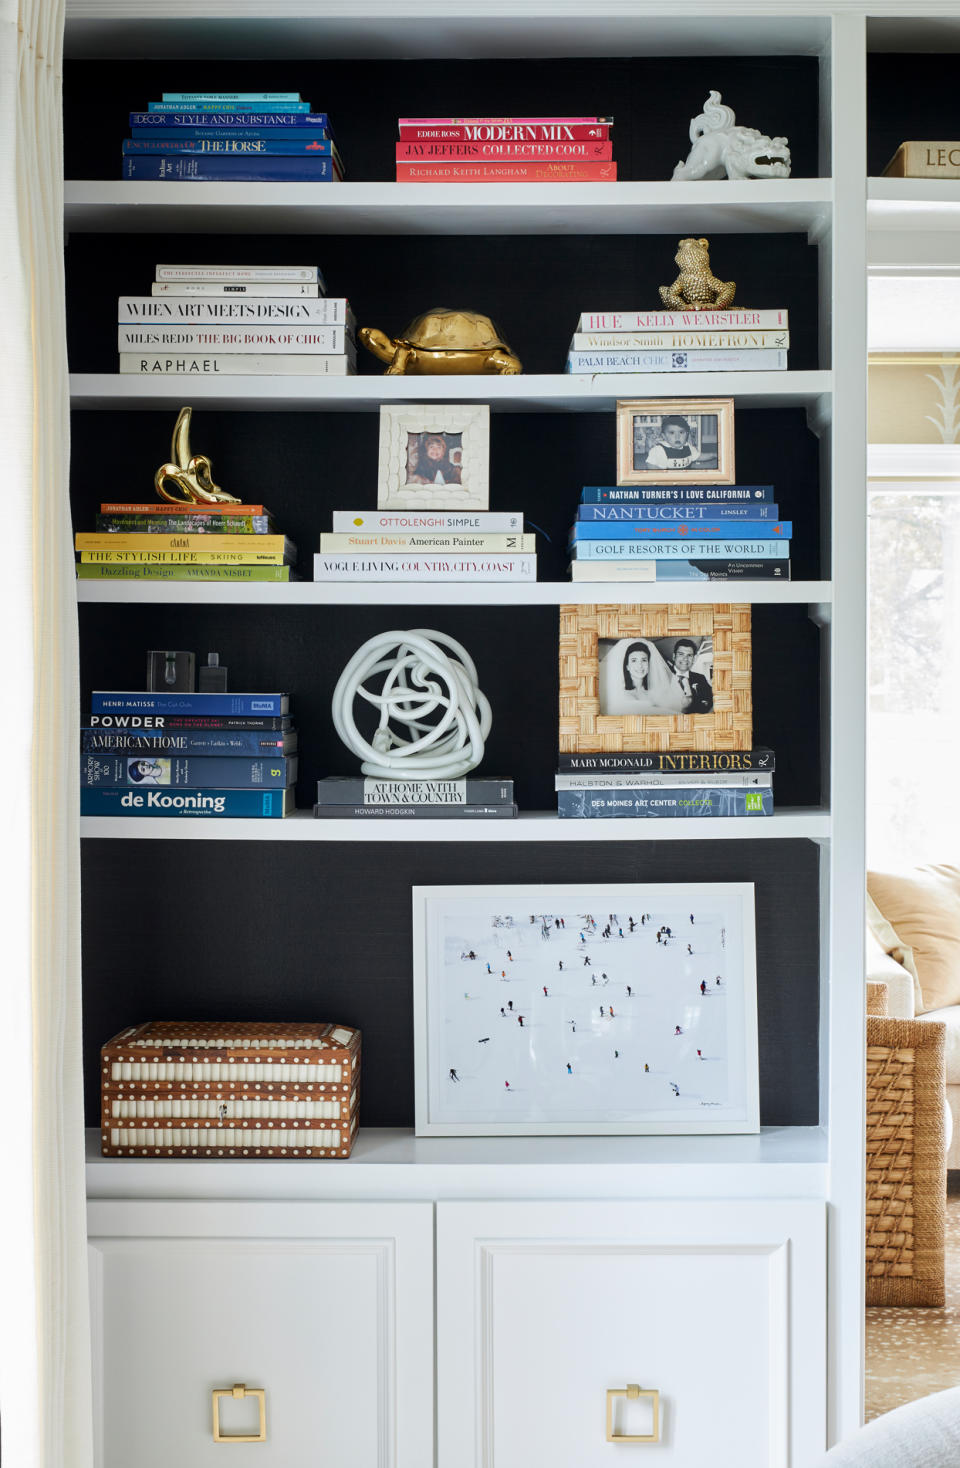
(585, 1009)
(408, 478)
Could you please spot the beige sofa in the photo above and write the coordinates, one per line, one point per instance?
(913, 946)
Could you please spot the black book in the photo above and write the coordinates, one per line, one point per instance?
(668, 762)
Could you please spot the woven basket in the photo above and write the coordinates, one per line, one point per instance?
(906, 1162)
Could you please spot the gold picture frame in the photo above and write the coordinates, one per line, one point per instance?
(596, 642)
(708, 441)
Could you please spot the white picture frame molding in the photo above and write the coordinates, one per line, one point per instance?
(398, 420)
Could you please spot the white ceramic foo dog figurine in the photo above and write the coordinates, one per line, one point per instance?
(719, 147)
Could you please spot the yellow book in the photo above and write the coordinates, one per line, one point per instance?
(183, 557)
(146, 540)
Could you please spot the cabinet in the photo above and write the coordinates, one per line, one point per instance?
(313, 917)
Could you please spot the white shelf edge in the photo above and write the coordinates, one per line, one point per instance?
(913, 204)
(806, 824)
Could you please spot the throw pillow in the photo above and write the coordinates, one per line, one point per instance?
(923, 907)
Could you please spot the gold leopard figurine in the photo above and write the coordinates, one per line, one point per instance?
(696, 288)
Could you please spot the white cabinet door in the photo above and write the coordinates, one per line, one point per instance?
(544, 1306)
(326, 1306)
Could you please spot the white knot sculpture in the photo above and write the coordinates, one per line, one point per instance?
(425, 671)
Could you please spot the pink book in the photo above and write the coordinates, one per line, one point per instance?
(433, 121)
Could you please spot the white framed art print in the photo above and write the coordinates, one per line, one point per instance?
(434, 456)
(584, 1009)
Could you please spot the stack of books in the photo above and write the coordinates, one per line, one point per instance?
(680, 341)
(188, 754)
(360, 797)
(665, 783)
(426, 545)
(182, 542)
(505, 150)
(224, 320)
(671, 532)
(250, 137)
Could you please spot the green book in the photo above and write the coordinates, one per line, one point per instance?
(114, 572)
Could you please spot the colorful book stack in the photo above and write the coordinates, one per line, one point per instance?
(182, 542)
(188, 754)
(426, 545)
(680, 341)
(665, 783)
(224, 320)
(505, 150)
(252, 137)
(360, 797)
(670, 532)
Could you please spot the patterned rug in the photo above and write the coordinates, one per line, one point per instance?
(910, 1353)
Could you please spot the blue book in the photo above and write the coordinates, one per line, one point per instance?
(222, 97)
(208, 168)
(147, 771)
(202, 118)
(216, 104)
(284, 143)
(742, 548)
(647, 534)
(695, 801)
(168, 135)
(249, 742)
(222, 705)
(735, 569)
(608, 514)
(269, 804)
(697, 359)
(677, 494)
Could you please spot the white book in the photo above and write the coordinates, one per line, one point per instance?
(236, 288)
(613, 570)
(429, 541)
(187, 364)
(261, 340)
(197, 310)
(632, 779)
(760, 359)
(655, 320)
(723, 337)
(386, 521)
(309, 273)
(445, 567)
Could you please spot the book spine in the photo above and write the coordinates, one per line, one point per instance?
(587, 150)
(660, 570)
(266, 804)
(206, 168)
(404, 122)
(693, 515)
(145, 771)
(139, 723)
(761, 359)
(504, 132)
(506, 172)
(230, 134)
(727, 339)
(193, 310)
(349, 790)
(164, 510)
(219, 117)
(696, 801)
(221, 742)
(184, 524)
(682, 320)
(415, 812)
(226, 340)
(221, 97)
(681, 549)
(430, 541)
(241, 290)
(251, 557)
(228, 705)
(216, 105)
(677, 494)
(644, 532)
(702, 761)
(234, 364)
(622, 780)
(425, 568)
(460, 522)
(183, 573)
(91, 540)
(281, 147)
(240, 274)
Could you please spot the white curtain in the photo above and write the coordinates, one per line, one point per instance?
(44, 1341)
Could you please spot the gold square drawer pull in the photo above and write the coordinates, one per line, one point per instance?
(239, 1390)
(633, 1392)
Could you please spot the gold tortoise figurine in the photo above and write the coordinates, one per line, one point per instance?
(442, 340)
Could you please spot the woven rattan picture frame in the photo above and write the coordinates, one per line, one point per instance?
(592, 719)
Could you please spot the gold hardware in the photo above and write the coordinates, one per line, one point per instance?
(239, 1390)
(633, 1392)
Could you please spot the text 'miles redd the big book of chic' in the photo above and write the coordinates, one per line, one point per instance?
(505, 150)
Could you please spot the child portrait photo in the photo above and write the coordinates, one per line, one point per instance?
(680, 441)
(434, 456)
